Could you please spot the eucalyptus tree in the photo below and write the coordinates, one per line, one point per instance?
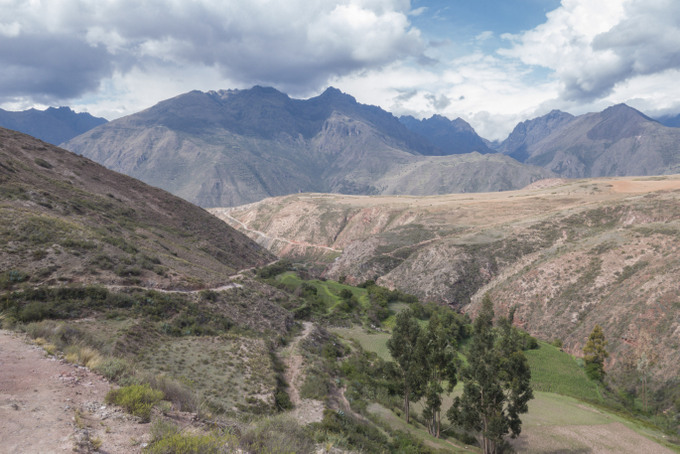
(405, 346)
(496, 383)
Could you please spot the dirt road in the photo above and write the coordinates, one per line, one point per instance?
(50, 406)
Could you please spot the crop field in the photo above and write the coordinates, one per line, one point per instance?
(558, 372)
(375, 342)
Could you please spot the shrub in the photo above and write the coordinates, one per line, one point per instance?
(35, 311)
(178, 443)
(277, 434)
(181, 397)
(274, 269)
(282, 400)
(42, 163)
(113, 368)
(84, 356)
(135, 399)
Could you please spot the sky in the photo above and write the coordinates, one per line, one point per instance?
(493, 63)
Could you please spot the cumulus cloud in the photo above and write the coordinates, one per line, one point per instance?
(294, 45)
(593, 46)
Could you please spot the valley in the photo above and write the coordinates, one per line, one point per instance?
(339, 227)
(264, 327)
(566, 254)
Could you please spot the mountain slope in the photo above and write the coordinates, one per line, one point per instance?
(64, 218)
(528, 132)
(450, 136)
(672, 121)
(615, 142)
(238, 146)
(53, 125)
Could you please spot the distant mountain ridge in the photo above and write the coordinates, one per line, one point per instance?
(619, 141)
(230, 147)
(450, 136)
(672, 121)
(53, 125)
(529, 132)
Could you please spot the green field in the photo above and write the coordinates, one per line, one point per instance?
(559, 418)
(375, 342)
(327, 291)
(557, 372)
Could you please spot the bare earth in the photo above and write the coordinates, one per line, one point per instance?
(594, 439)
(306, 411)
(50, 406)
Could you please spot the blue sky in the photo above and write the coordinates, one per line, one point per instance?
(493, 63)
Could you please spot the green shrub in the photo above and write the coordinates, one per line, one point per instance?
(34, 312)
(114, 368)
(270, 271)
(11, 277)
(135, 399)
(179, 443)
(277, 434)
(282, 400)
(181, 397)
(42, 163)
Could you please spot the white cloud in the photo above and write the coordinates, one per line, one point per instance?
(484, 36)
(493, 94)
(116, 57)
(595, 45)
(295, 45)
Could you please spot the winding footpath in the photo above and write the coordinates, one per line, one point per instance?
(306, 411)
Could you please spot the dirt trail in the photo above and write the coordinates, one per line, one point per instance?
(48, 405)
(223, 213)
(306, 410)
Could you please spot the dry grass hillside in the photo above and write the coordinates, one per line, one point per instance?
(567, 253)
(65, 219)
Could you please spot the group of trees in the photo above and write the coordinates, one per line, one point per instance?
(496, 378)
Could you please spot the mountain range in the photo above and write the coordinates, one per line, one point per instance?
(618, 141)
(53, 125)
(233, 147)
(450, 136)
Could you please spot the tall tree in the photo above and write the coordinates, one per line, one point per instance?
(404, 346)
(595, 353)
(439, 347)
(497, 383)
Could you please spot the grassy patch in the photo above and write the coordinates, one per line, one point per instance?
(228, 373)
(557, 372)
(371, 342)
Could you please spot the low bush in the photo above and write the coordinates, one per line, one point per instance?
(277, 434)
(137, 400)
(84, 356)
(114, 368)
(181, 397)
(179, 443)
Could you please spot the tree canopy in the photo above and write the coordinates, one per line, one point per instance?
(496, 382)
(595, 353)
